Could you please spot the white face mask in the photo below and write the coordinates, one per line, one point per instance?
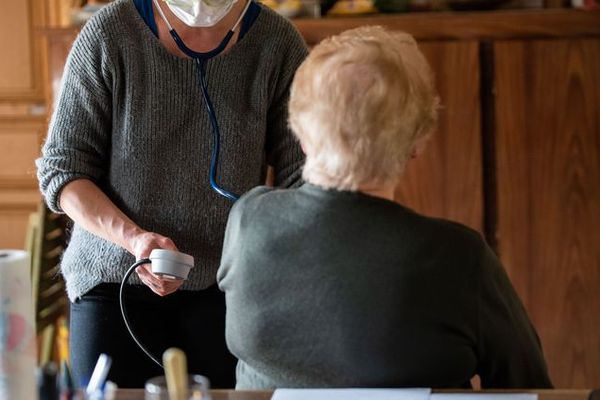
(200, 13)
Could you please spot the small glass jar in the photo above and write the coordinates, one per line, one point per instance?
(198, 388)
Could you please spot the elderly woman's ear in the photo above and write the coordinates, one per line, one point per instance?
(302, 147)
(419, 146)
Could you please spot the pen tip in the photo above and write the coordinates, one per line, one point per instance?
(66, 379)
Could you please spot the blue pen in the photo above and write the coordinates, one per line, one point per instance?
(98, 376)
(65, 383)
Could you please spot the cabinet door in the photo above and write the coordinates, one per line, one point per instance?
(446, 180)
(20, 141)
(15, 207)
(548, 176)
(21, 69)
(22, 120)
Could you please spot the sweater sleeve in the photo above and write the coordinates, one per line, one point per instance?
(283, 150)
(78, 139)
(510, 353)
(237, 242)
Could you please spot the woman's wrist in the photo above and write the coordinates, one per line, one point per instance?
(131, 237)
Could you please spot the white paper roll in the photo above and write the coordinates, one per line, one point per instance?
(17, 327)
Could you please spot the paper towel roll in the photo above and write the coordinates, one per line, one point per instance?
(17, 327)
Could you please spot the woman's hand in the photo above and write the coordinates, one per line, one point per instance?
(142, 245)
(88, 206)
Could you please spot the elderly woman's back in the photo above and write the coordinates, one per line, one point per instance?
(339, 289)
(333, 284)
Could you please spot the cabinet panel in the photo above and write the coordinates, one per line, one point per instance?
(20, 144)
(21, 70)
(15, 207)
(16, 69)
(446, 180)
(548, 175)
(13, 228)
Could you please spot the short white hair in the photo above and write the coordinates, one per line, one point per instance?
(358, 104)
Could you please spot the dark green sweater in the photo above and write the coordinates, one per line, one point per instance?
(339, 289)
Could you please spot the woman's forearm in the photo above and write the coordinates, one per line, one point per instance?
(84, 202)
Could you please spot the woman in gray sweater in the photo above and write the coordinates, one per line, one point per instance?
(128, 157)
(335, 285)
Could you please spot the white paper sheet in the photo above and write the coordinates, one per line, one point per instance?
(351, 394)
(483, 396)
(391, 394)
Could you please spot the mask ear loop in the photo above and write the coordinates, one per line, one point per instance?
(163, 16)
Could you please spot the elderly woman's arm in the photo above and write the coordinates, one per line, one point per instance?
(510, 354)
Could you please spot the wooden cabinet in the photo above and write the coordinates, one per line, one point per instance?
(548, 174)
(22, 67)
(446, 180)
(22, 115)
(20, 140)
(15, 206)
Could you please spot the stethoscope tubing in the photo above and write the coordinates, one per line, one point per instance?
(214, 162)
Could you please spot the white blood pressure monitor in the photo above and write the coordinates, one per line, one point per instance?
(171, 264)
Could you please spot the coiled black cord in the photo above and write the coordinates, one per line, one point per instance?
(124, 311)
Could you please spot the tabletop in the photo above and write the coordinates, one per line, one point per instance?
(557, 394)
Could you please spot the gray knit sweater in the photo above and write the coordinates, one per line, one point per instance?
(130, 117)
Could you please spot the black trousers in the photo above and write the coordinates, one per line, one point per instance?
(193, 321)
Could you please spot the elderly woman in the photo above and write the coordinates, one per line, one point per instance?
(335, 285)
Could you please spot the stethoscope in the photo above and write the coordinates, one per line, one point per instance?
(165, 262)
(200, 59)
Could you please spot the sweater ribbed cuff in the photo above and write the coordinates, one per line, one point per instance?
(55, 186)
